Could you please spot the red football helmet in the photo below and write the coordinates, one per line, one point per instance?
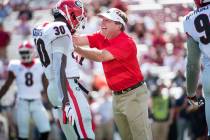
(26, 51)
(201, 3)
(73, 11)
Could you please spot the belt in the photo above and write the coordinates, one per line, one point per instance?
(28, 100)
(81, 86)
(124, 91)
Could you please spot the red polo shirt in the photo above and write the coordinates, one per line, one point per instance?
(123, 71)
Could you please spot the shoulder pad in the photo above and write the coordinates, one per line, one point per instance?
(188, 16)
(37, 61)
(51, 31)
(14, 65)
(55, 30)
(14, 62)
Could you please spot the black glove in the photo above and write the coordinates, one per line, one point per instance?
(195, 101)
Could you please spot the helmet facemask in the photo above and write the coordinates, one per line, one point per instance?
(26, 52)
(26, 56)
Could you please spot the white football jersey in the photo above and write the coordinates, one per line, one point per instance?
(197, 25)
(28, 79)
(44, 36)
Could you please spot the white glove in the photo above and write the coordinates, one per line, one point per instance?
(195, 101)
(68, 115)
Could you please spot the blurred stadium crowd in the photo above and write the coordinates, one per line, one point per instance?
(156, 26)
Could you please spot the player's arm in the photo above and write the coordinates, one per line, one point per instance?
(59, 64)
(80, 40)
(7, 83)
(193, 66)
(44, 83)
(94, 54)
(60, 48)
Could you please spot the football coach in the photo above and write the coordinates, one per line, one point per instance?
(118, 54)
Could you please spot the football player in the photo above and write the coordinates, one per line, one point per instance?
(197, 28)
(29, 76)
(55, 48)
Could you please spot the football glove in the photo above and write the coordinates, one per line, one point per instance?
(195, 101)
(68, 114)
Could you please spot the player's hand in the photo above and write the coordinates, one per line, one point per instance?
(195, 101)
(77, 48)
(68, 114)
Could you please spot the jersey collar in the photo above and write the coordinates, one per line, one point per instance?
(28, 65)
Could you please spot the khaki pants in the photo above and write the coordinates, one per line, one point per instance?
(104, 131)
(131, 114)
